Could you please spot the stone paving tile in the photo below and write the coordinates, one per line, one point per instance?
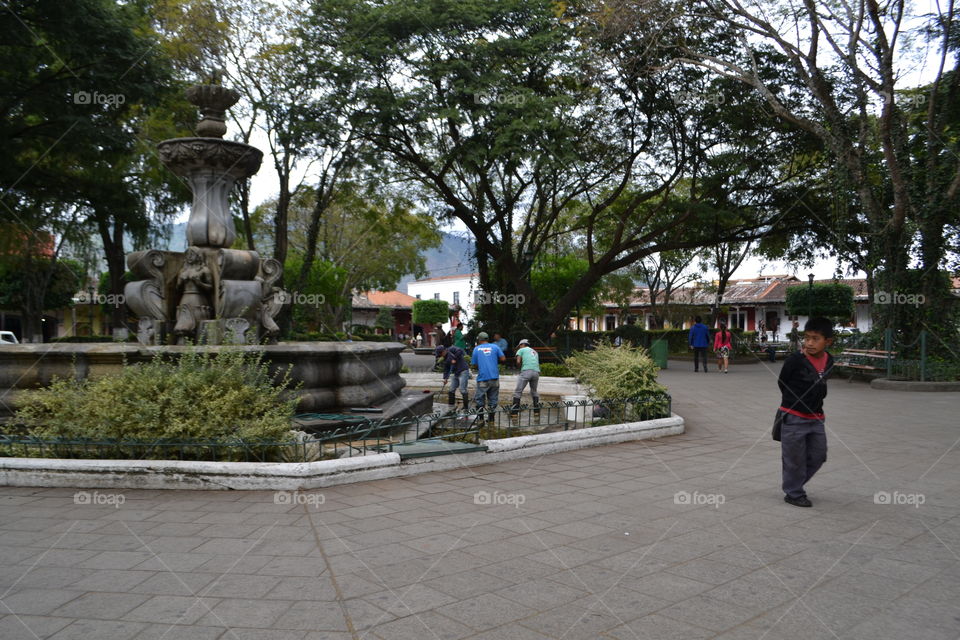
(86, 629)
(24, 627)
(599, 549)
(485, 611)
(424, 625)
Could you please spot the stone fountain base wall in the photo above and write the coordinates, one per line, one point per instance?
(333, 375)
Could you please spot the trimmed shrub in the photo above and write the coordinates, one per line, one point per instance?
(226, 396)
(430, 312)
(556, 370)
(615, 373)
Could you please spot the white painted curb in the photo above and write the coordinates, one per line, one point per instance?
(293, 476)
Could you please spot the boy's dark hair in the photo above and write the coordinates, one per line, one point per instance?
(696, 319)
(820, 325)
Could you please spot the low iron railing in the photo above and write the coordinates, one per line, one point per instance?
(364, 437)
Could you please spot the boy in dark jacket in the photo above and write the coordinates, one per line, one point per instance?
(803, 385)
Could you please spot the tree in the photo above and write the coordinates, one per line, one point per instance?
(371, 236)
(832, 300)
(310, 306)
(664, 273)
(79, 80)
(32, 283)
(523, 121)
(384, 319)
(894, 148)
(431, 312)
(725, 259)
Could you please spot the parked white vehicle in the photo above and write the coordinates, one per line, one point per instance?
(7, 337)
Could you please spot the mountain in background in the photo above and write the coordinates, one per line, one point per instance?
(453, 257)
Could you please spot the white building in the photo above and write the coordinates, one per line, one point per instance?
(459, 291)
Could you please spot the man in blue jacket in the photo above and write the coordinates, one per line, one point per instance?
(486, 358)
(699, 341)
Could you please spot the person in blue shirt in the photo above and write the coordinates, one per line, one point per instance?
(699, 340)
(486, 357)
(501, 342)
(455, 363)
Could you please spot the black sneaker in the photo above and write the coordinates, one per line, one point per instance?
(802, 501)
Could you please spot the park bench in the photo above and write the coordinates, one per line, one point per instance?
(547, 354)
(870, 361)
(780, 349)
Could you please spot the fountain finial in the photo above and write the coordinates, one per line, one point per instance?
(213, 101)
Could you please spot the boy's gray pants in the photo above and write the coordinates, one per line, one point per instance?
(803, 445)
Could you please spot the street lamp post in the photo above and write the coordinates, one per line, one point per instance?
(90, 301)
(810, 297)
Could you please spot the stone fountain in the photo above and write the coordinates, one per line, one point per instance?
(209, 294)
(213, 295)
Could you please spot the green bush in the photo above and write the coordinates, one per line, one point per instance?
(615, 373)
(224, 396)
(553, 369)
(830, 299)
(430, 311)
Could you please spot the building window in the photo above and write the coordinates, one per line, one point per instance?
(418, 296)
(436, 296)
(456, 297)
(611, 323)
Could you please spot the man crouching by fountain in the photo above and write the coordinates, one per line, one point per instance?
(454, 361)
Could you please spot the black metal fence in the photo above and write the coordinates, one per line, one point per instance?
(456, 428)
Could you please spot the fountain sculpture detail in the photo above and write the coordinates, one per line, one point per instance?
(210, 293)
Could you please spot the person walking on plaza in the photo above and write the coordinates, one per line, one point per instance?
(722, 346)
(803, 387)
(699, 340)
(501, 342)
(528, 360)
(455, 366)
(486, 357)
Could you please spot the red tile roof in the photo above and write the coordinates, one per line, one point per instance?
(390, 299)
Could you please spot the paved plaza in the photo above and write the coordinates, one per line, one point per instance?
(686, 537)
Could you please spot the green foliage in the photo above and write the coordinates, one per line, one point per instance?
(431, 311)
(24, 276)
(552, 276)
(615, 373)
(832, 300)
(535, 123)
(384, 319)
(908, 307)
(226, 396)
(555, 370)
(322, 291)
